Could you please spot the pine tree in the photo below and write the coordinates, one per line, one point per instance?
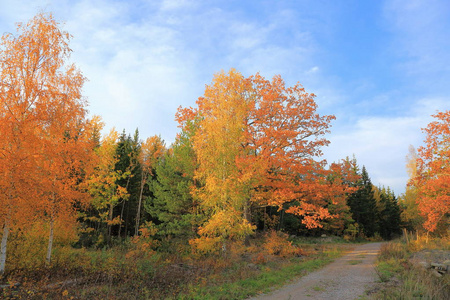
(152, 150)
(172, 205)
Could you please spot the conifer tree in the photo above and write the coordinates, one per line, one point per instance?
(152, 150)
(363, 205)
(389, 214)
(172, 205)
(128, 152)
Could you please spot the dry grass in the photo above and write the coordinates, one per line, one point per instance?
(403, 280)
(128, 271)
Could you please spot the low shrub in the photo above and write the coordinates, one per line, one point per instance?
(402, 279)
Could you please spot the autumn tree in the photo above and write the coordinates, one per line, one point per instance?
(218, 142)
(342, 178)
(433, 176)
(257, 143)
(410, 216)
(284, 137)
(44, 123)
(65, 162)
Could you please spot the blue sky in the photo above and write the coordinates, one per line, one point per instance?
(381, 67)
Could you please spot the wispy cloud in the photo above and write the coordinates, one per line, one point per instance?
(421, 43)
(381, 143)
(141, 71)
(145, 58)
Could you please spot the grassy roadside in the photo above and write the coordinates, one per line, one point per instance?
(125, 272)
(270, 276)
(400, 278)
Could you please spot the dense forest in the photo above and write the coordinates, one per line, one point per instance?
(247, 160)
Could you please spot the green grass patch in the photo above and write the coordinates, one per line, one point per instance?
(261, 283)
(121, 272)
(271, 275)
(402, 280)
(388, 269)
(318, 288)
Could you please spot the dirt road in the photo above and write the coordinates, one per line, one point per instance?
(347, 277)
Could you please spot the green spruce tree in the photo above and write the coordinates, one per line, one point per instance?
(128, 151)
(363, 205)
(171, 205)
(389, 214)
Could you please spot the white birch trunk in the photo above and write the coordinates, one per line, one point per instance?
(3, 246)
(50, 244)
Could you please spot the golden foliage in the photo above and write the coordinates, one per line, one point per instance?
(276, 243)
(256, 143)
(144, 243)
(45, 150)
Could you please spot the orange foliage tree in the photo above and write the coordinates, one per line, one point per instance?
(433, 175)
(284, 137)
(64, 163)
(257, 142)
(341, 179)
(43, 126)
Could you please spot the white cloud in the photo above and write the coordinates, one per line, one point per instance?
(168, 5)
(142, 69)
(314, 69)
(381, 143)
(145, 58)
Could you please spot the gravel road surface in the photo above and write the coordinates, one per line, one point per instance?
(348, 277)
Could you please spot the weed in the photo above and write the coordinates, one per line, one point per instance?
(403, 280)
(318, 288)
(272, 274)
(130, 271)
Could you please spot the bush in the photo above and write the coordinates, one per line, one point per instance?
(276, 243)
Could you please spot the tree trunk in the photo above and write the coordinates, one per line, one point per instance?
(50, 243)
(138, 214)
(3, 245)
(126, 219)
(280, 223)
(247, 216)
(121, 218)
(110, 217)
(123, 206)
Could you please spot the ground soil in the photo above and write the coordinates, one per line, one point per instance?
(348, 277)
